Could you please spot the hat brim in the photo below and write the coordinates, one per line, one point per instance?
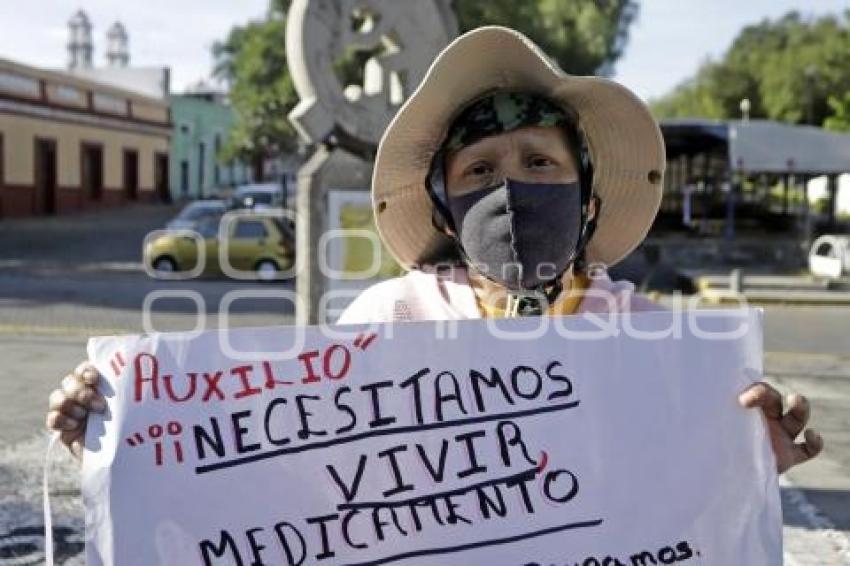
(624, 140)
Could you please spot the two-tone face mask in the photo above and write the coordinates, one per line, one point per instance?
(520, 235)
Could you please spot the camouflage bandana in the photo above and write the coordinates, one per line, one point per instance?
(499, 113)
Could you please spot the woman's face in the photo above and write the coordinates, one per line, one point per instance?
(531, 155)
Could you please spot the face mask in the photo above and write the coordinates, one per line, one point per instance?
(520, 235)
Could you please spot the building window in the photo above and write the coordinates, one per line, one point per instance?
(216, 169)
(19, 84)
(202, 165)
(184, 177)
(109, 103)
(185, 129)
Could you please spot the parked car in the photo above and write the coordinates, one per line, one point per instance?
(193, 212)
(830, 256)
(258, 243)
(257, 195)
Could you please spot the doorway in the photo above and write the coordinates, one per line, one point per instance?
(161, 177)
(131, 174)
(92, 171)
(45, 176)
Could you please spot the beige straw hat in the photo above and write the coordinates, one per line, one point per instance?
(624, 140)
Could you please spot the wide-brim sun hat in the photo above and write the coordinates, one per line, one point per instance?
(624, 142)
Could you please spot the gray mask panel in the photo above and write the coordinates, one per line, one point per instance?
(520, 235)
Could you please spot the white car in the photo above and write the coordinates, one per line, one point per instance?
(196, 211)
(257, 195)
(830, 256)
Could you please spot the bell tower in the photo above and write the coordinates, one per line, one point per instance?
(80, 46)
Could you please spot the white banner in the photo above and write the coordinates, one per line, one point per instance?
(582, 442)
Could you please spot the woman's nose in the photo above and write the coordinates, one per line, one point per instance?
(511, 171)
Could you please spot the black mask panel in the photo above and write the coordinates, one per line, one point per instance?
(520, 235)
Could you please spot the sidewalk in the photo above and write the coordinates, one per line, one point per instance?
(113, 235)
(816, 495)
(73, 319)
(772, 289)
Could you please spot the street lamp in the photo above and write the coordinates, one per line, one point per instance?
(745, 109)
(811, 73)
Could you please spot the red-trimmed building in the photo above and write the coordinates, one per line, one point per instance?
(70, 144)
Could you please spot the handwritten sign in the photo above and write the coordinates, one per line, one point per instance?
(586, 443)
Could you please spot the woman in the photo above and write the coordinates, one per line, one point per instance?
(499, 183)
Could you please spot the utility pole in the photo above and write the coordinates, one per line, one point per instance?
(811, 73)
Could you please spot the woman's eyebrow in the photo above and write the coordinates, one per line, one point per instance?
(477, 152)
(547, 146)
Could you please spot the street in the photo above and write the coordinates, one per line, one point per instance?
(52, 297)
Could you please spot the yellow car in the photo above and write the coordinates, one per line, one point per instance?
(257, 244)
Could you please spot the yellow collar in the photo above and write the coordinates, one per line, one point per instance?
(566, 303)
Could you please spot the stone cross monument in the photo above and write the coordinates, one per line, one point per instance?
(344, 122)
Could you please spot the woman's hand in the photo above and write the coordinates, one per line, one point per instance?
(784, 428)
(69, 406)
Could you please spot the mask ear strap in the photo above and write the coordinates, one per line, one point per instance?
(580, 261)
(435, 183)
(441, 216)
(588, 225)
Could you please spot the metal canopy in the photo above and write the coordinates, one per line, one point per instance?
(773, 147)
(762, 146)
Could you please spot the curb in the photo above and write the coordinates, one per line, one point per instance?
(73, 267)
(766, 297)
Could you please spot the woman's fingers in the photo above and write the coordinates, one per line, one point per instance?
(63, 413)
(62, 423)
(78, 391)
(71, 384)
(74, 442)
(59, 402)
(794, 421)
(90, 378)
(91, 399)
(764, 396)
(810, 447)
(87, 373)
(68, 406)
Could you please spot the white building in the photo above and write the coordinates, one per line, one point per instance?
(147, 81)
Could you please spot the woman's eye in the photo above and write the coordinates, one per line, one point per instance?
(540, 161)
(479, 170)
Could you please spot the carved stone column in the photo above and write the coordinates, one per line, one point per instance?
(333, 117)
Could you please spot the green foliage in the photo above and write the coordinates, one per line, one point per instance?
(252, 61)
(840, 119)
(584, 36)
(788, 69)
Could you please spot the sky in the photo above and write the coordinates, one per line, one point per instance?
(669, 41)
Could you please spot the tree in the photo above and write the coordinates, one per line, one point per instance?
(787, 68)
(252, 61)
(584, 36)
(840, 119)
